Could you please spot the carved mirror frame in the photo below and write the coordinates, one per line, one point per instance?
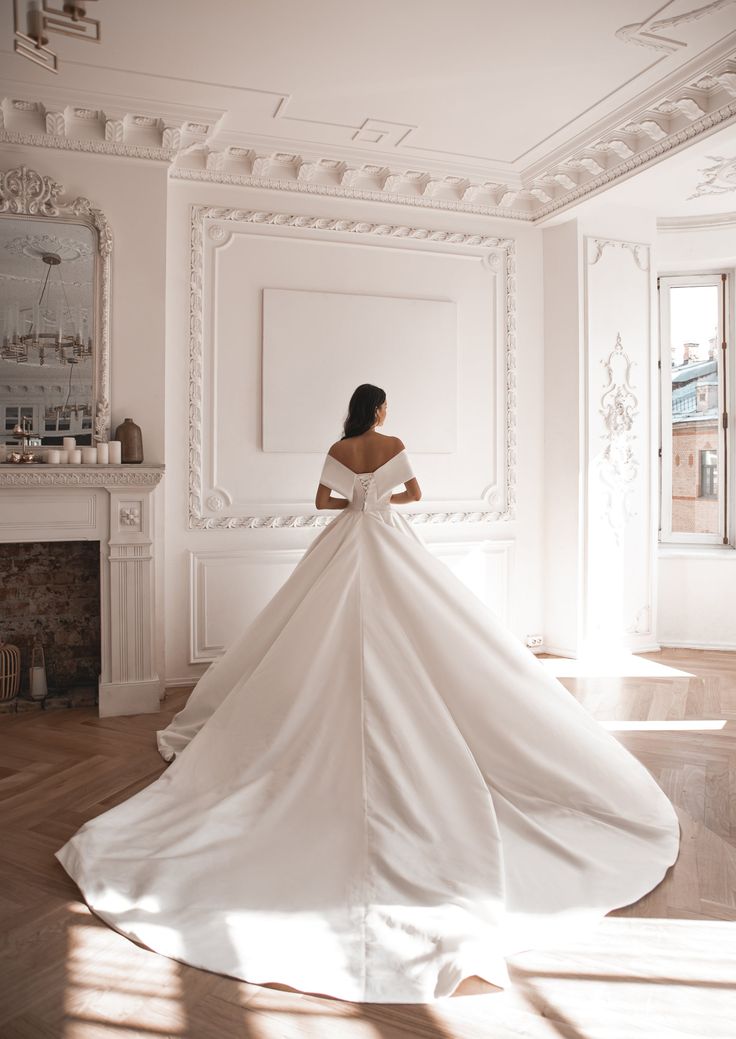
(24, 192)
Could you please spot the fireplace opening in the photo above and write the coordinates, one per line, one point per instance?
(50, 596)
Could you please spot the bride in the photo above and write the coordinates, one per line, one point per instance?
(377, 791)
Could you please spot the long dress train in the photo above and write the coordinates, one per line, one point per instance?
(377, 790)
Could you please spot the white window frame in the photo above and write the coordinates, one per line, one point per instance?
(727, 499)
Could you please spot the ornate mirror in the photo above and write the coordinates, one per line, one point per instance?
(54, 313)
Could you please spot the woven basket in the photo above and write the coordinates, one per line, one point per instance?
(9, 671)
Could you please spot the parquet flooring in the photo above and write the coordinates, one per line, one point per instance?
(664, 968)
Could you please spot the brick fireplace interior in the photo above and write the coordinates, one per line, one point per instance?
(51, 589)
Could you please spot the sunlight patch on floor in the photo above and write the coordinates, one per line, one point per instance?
(113, 987)
(611, 665)
(684, 724)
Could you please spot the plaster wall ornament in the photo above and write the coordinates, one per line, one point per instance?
(647, 33)
(640, 625)
(619, 465)
(217, 499)
(718, 179)
(639, 253)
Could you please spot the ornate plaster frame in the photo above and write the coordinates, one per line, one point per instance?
(26, 193)
(497, 254)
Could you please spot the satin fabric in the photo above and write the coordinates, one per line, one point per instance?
(377, 790)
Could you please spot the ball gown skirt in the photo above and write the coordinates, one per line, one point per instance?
(377, 790)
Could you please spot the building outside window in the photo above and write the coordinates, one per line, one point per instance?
(693, 409)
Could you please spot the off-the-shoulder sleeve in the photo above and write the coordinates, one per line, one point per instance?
(337, 477)
(397, 471)
(403, 469)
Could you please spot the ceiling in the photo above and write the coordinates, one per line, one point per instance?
(514, 109)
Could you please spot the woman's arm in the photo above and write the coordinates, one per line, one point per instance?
(413, 492)
(325, 500)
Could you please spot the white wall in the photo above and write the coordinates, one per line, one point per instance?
(600, 532)
(697, 585)
(217, 579)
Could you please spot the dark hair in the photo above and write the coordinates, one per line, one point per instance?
(366, 399)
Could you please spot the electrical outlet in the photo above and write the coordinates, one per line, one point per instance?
(534, 641)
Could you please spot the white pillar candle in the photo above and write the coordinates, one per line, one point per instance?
(53, 456)
(115, 452)
(69, 443)
(75, 456)
(64, 457)
(89, 455)
(103, 454)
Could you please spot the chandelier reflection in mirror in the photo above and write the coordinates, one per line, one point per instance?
(47, 321)
(53, 328)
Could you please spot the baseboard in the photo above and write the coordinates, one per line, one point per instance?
(723, 647)
(180, 683)
(117, 699)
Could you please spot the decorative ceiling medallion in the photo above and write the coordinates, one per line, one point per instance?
(38, 245)
(719, 179)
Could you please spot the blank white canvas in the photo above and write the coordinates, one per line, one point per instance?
(318, 346)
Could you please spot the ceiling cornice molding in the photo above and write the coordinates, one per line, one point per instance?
(77, 144)
(648, 157)
(194, 149)
(335, 191)
(711, 222)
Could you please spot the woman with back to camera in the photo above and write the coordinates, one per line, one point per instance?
(376, 791)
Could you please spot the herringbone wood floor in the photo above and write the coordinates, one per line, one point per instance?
(665, 967)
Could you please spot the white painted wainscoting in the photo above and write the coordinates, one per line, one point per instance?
(229, 588)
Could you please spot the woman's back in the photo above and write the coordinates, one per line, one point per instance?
(367, 452)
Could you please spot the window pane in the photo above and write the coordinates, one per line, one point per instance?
(695, 416)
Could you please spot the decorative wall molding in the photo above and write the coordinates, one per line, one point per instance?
(639, 253)
(217, 574)
(79, 476)
(23, 191)
(619, 406)
(198, 496)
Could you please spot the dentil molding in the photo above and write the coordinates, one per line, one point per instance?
(196, 149)
(499, 257)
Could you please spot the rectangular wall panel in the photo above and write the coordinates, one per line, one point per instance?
(320, 343)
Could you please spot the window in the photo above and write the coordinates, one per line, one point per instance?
(708, 474)
(694, 506)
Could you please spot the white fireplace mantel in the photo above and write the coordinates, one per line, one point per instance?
(115, 506)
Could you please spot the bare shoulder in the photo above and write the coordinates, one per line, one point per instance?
(398, 444)
(336, 449)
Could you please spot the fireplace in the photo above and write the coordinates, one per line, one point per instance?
(50, 594)
(114, 507)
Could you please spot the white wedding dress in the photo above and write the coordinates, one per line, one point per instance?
(377, 790)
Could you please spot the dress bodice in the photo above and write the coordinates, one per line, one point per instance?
(367, 492)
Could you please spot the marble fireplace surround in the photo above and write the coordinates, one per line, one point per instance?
(115, 506)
